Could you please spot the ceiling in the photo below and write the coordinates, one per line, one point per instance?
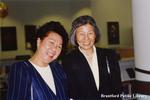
(41, 0)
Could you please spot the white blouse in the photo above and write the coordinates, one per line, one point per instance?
(93, 65)
(47, 75)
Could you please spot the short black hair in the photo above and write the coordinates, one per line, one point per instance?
(52, 26)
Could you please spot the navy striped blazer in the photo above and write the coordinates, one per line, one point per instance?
(24, 80)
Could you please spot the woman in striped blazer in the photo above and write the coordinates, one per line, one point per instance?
(41, 77)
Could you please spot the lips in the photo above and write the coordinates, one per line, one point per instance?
(51, 54)
(86, 43)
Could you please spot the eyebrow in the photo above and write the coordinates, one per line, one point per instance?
(55, 40)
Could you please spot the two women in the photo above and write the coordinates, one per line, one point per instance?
(93, 73)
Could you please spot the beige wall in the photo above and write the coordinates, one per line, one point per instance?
(114, 10)
(37, 13)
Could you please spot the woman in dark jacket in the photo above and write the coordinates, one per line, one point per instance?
(93, 72)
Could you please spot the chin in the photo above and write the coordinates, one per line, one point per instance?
(48, 60)
(87, 47)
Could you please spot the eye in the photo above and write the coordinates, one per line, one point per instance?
(60, 46)
(81, 34)
(51, 42)
(91, 32)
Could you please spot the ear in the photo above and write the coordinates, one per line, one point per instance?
(38, 42)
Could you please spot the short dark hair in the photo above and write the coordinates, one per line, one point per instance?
(52, 26)
(82, 20)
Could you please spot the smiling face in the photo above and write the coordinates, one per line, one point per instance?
(50, 47)
(85, 37)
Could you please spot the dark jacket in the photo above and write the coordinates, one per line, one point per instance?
(81, 81)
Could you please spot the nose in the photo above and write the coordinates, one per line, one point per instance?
(86, 37)
(54, 48)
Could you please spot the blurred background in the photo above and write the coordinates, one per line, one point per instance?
(19, 20)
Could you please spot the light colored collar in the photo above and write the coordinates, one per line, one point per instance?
(94, 50)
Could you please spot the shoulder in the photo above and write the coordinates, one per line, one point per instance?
(57, 68)
(72, 54)
(55, 64)
(106, 50)
(19, 70)
(18, 66)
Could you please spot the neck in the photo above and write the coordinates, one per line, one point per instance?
(89, 52)
(37, 61)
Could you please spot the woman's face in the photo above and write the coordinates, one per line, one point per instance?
(85, 36)
(50, 47)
